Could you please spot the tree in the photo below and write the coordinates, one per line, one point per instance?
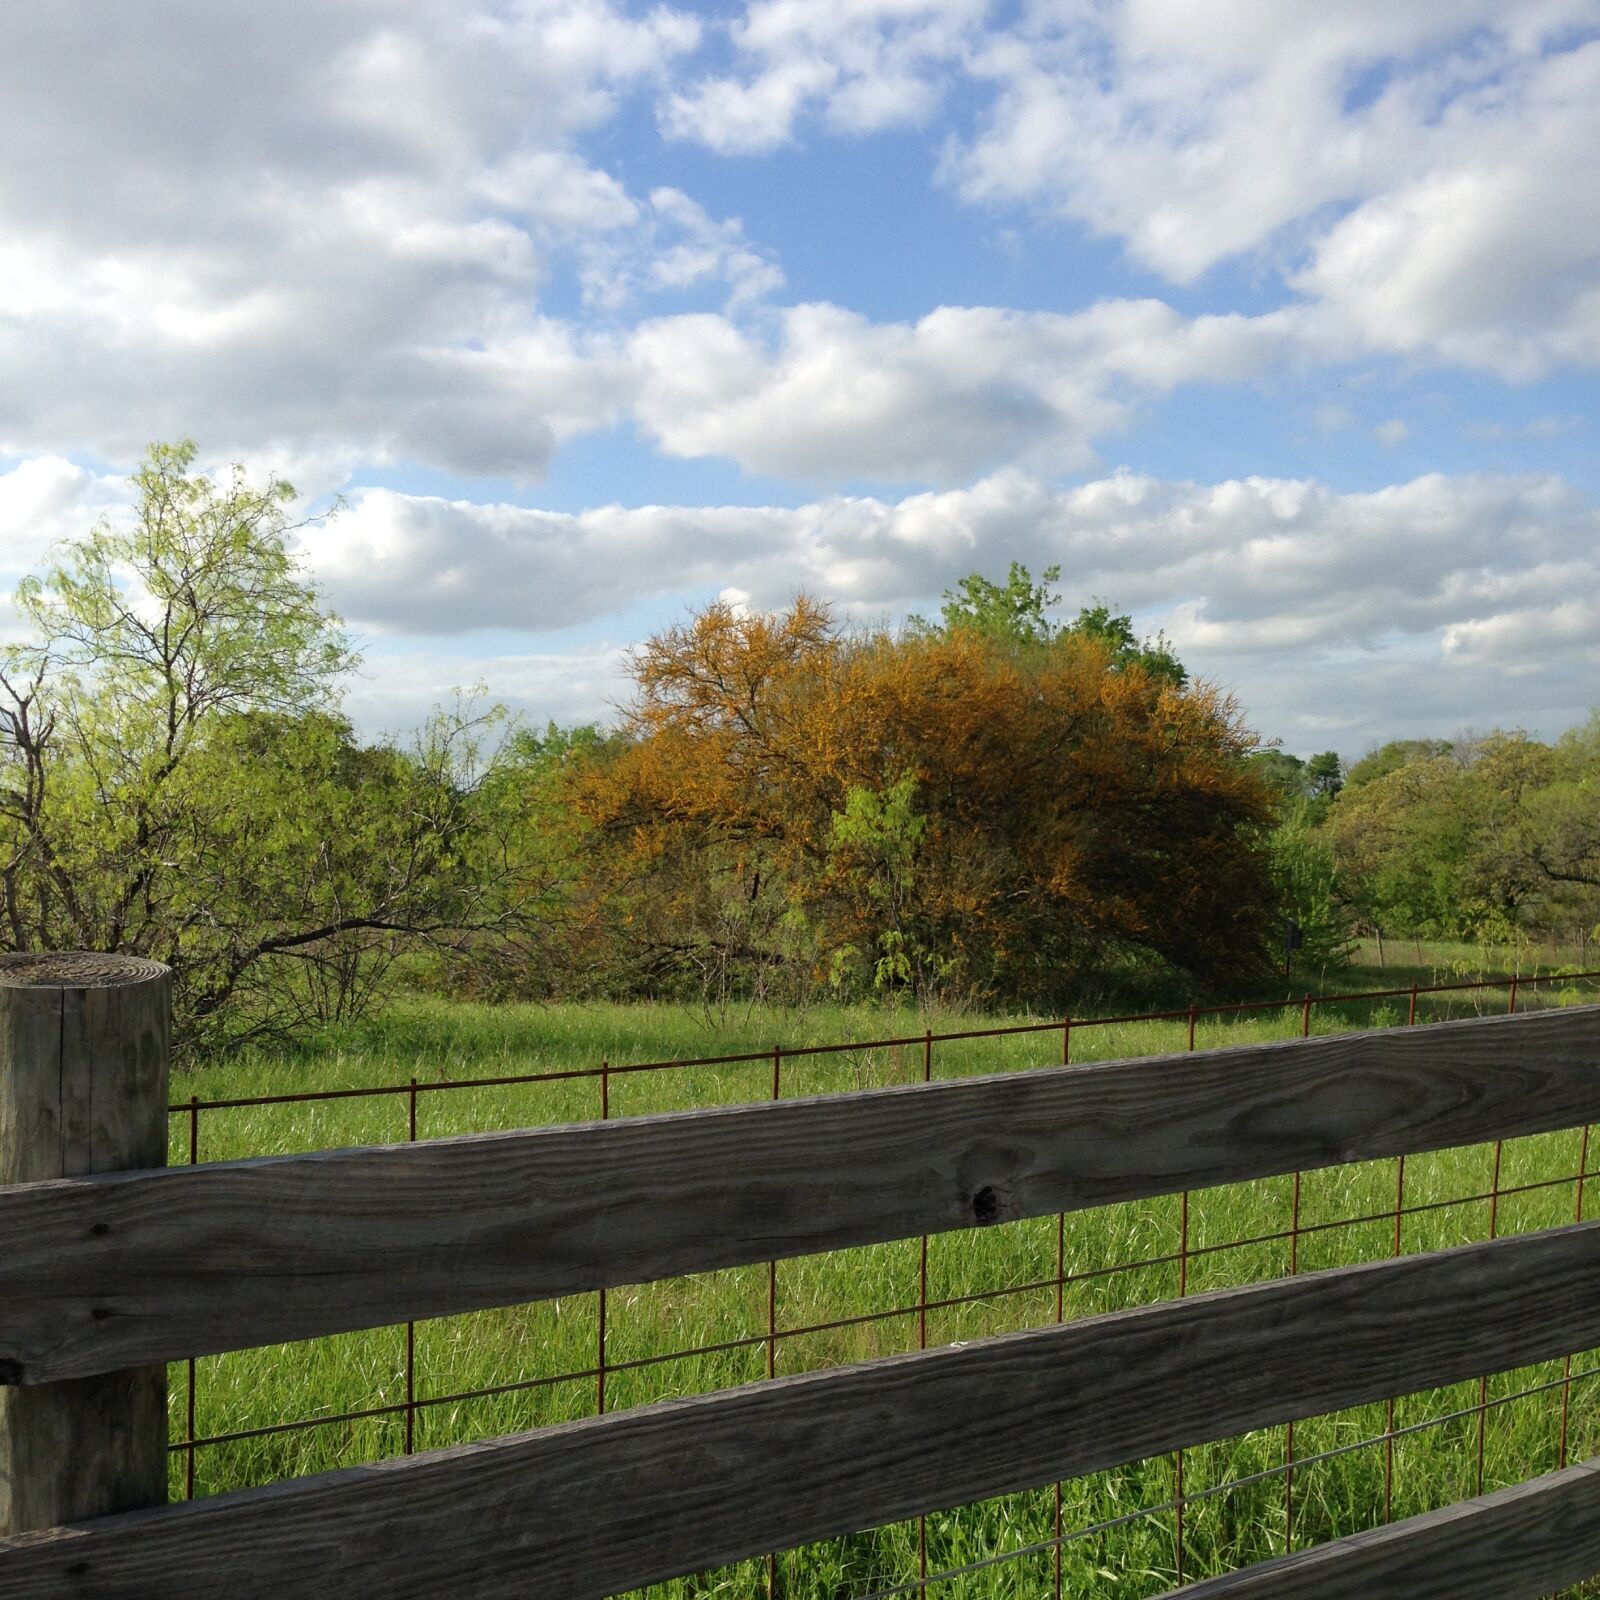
(693, 842)
(1380, 762)
(175, 781)
(995, 821)
(1325, 775)
(322, 859)
(873, 847)
(1305, 872)
(1294, 780)
(534, 837)
(1153, 656)
(1013, 614)
(1283, 773)
(1438, 845)
(1559, 835)
(142, 637)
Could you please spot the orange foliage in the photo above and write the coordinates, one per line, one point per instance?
(1066, 810)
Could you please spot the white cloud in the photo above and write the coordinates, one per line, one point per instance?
(1521, 640)
(1268, 583)
(321, 227)
(1335, 617)
(1392, 433)
(863, 65)
(1488, 258)
(963, 389)
(1413, 169)
(678, 246)
(326, 233)
(555, 187)
(394, 693)
(841, 397)
(45, 500)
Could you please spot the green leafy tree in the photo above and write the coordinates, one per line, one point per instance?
(175, 781)
(1562, 827)
(873, 847)
(1305, 790)
(1305, 872)
(1559, 836)
(1016, 614)
(1154, 656)
(142, 638)
(1284, 774)
(1439, 844)
(1013, 612)
(1391, 757)
(1324, 775)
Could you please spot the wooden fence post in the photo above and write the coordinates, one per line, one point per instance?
(83, 1088)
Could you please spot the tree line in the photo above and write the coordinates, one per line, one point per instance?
(987, 807)
(1490, 837)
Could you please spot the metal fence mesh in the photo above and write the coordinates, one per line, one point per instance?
(364, 1396)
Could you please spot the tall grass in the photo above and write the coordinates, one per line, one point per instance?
(979, 1283)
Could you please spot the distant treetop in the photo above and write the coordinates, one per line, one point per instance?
(1394, 755)
(1015, 613)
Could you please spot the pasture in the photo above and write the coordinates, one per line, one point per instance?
(1120, 1531)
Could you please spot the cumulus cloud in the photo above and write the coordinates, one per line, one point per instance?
(861, 65)
(1309, 603)
(1411, 169)
(1486, 258)
(1519, 641)
(835, 396)
(330, 235)
(677, 245)
(324, 227)
(394, 693)
(45, 500)
(1441, 602)
(1412, 173)
(1250, 567)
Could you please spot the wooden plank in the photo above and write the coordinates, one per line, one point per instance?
(1516, 1544)
(116, 1271)
(83, 1088)
(597, 1507)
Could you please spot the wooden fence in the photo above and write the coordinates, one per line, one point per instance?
(111, 1267)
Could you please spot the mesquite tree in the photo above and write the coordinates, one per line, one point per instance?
(175, 780)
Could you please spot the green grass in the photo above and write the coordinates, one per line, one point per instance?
(1115, 1257)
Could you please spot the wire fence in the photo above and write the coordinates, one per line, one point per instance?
(617, 1347)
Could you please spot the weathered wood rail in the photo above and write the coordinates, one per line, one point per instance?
(107, 1272)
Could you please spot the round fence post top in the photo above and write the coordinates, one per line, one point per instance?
(74, 969)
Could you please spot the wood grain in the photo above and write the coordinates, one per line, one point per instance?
(83, 1089)
(598, 1507)
(1516, 1544)
(109, 1272)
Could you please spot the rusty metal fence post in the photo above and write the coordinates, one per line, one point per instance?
(84, 1045)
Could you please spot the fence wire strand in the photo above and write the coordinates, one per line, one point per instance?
(1089, 1529)
(775, 1335)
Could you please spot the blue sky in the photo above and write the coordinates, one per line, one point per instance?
(1276, 324)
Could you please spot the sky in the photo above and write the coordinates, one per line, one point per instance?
(1275, 323)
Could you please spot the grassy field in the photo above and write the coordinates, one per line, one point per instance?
(1113, 1258)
